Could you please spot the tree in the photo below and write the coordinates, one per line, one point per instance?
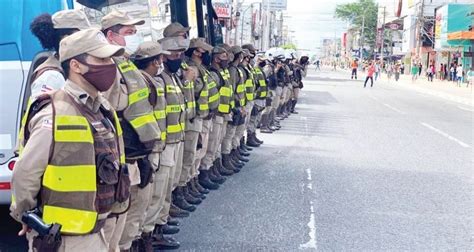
(357, 11)
(289, 46)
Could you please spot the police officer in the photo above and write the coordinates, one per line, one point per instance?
(86, 144)
(268, 69)
(49, 30)
(260, 94)
(129, 96)
(147, 58)
(199, 56)
(220, 74)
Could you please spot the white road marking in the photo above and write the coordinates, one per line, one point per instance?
(463, 144)
(311, 244)
(393, 108)
(464, 108)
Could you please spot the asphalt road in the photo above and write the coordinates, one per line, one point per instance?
(374, 169)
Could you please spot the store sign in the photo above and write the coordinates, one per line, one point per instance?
(223, 8)
(275, 5)
(394, 26)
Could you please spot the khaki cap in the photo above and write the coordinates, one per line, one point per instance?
(200, 43)
(70, 19)
(235, 49)
(90, 41)
(116, 17)
(149, 49)
(173, 29)
(250, 47)
(218, 50)
(246, 52)
(174, 43)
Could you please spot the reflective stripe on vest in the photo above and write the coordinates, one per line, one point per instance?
(139, 112)
(225, 93)
(175, 110)
(240, 89)
(262, 88)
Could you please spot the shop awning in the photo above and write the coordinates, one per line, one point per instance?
(461, 35)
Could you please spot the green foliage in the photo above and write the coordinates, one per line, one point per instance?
(354, 13)
(289, 46)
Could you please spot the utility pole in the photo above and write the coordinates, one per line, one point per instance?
(361, 42)
(420, 25)
(383, 35)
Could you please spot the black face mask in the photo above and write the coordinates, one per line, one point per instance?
(224, 64)
(262, 64)
(173, 65)
(206, 59)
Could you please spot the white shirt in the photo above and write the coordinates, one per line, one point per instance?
(459, 70)
(49, 81)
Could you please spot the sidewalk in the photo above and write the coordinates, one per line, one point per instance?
(443, 89)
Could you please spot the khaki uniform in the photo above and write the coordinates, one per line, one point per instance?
(36, 155)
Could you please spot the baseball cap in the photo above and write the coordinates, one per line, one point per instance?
(173, 29)
(249, 47)
(174, 43)
(91, 41)
(246, 52)
(149, 49)
(200, 43)
(116, 17)
(70, 19)
(218, 50)
(235, 49)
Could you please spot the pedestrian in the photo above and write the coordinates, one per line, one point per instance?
(420, 66)
(370, 74)
(402, 68)
(70, 134)
(318, 62)
(441, 71)
(414, 72)
(397, 71)
(460, 75)
(354, 66)
(389, 71)
(452, 71)
(377, 70)
(430, 72)
(470, 77)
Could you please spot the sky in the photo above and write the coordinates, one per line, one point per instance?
(313, 21)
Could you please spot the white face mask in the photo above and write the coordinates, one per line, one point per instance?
(160, 69)
(132, 42)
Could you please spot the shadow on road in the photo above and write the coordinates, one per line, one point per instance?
(9, 240)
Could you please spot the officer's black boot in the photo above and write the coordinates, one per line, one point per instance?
(285, 111)
(244, 146)
(190, 198)
(251, 141)
(243, 152)
(254, 136)
(293, 105)
(177, 212)
(168, 229)
(147, 240)
(172, 222)
(137, 245)
(264, 128)
(199, 186)
(216, 176)
(206, 182)
(194, 191)
(162, 242)
(240, 157)
(222, 170)
(179, 201)
(228, 163)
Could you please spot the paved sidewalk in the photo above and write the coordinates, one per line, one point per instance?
(443, 89)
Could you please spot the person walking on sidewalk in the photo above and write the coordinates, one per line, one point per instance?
(430, 71)
(452, 72)
(354, 66)
(396, 71)
(460, 75)
(377, 70)
(370, 74)
(470, 77)
(414, 72)
(420, 66)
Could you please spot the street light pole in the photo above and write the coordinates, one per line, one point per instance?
(242, 16)
(383, 35)
(361, 42)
